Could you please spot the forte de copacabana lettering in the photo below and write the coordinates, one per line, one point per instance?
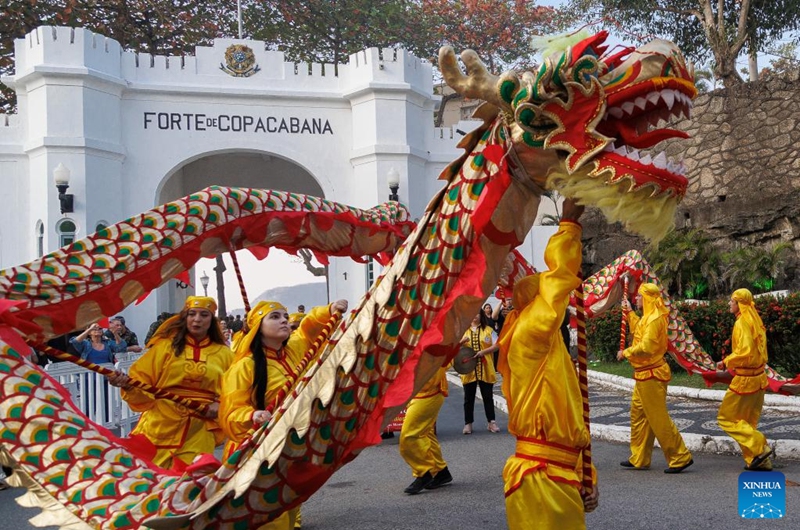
(185, 121)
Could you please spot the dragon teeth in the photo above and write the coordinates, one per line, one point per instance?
(660, 161)
(653, 97)
(668, 95)
(628, 107)
(640, 102)
(616, 112)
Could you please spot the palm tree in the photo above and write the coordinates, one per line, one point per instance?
(685, 263)
(549, 219)
(755, 267)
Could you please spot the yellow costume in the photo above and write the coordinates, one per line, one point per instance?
(238, 404)
(196, 374)
(419, 445)
(480, 339)
(483, 377)
(650, 419)
(741, 407)
(545, 411)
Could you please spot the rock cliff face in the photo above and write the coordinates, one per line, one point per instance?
(743, 164)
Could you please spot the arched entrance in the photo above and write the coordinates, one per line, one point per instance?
(241, 168)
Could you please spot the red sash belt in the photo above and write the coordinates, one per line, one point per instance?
(547, 452)
(653, 366)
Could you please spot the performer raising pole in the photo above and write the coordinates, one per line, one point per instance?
(543, 486)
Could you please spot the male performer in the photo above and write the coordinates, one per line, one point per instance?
(545, 412)
(740, 409)
(419, 445)
(649, 416)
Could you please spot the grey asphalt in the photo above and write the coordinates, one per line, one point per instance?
(368, 493)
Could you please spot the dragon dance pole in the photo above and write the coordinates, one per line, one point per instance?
(623, 332)
(583, 381)
(197, 406)
(240, 278)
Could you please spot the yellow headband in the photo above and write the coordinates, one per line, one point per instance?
(254, 318)
(201, 302)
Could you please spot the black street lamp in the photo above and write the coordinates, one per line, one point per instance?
(393, 178)
(204, 282)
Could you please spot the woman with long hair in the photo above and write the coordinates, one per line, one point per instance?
(267, 356)
(188, 356)
(482, 339)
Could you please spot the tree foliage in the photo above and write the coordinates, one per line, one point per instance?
(500, 31)
(704, 29)
(327, 31)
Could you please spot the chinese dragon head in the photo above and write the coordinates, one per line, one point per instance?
(597, 112)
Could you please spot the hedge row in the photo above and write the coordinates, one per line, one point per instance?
(712, 325)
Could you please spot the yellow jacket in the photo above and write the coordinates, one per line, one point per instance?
(196, 374)
(484, 370)
(238, 404)
(746, 361)
(646, 353)
(539, 379)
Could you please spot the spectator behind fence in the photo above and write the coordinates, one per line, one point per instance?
(118, 322)
(96, 349)
(155, 325)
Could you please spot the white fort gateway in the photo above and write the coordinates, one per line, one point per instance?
(135, 131)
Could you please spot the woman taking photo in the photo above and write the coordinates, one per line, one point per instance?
(95, 348)
(187, 355)
(266, 358)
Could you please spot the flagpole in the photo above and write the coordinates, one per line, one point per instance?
(239, 16)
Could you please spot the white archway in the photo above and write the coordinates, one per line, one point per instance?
(232, 168)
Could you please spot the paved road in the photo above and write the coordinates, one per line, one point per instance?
(367, 494)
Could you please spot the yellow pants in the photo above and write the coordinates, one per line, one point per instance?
(650, 421)
(541, 503)
(419, 445)
(738, 417)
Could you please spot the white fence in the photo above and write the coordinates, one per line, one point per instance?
(91, 393)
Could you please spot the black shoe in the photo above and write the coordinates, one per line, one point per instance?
(385, 435)
(626, 463)
(419, 484)
(759, 460)
(674, 470)
(440, 479)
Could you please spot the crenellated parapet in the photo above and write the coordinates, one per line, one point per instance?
(68, 50)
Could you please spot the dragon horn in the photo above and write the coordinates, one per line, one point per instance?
(477, 84)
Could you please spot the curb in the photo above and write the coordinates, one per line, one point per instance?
(771, 401)
(696, 443)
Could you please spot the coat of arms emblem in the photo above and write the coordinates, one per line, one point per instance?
(240, 61)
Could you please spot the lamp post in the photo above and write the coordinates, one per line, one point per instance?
(61, 178)
(393, 178)
(204, 282)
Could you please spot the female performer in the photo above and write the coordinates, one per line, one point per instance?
(266, 358)
(187, 355)
(481, 338)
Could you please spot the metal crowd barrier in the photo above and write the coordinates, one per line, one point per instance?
(91, 393)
